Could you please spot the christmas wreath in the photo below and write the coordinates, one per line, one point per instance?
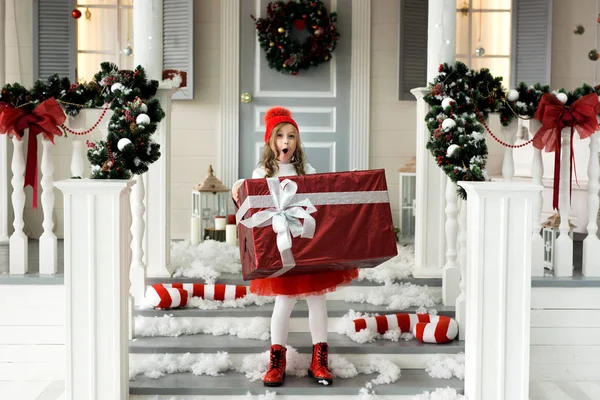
(461, 99)
(287, 54)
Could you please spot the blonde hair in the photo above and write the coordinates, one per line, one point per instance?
(269, 157)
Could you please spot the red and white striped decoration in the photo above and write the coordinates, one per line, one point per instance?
(426, 328)
(173, 295)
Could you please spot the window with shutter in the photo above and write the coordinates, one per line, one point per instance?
(53, 39)
(532, 43)
(413, 47)
(178, 42)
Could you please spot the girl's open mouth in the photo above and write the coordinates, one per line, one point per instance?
(284, 151)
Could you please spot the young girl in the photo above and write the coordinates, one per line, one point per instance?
(283, 155)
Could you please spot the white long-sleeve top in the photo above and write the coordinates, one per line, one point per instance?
(285, 169)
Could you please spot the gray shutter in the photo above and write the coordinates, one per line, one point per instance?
(532, 42)
(178, 42)
(412, 43)
(54, 35)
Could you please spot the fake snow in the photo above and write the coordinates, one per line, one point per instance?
(267, 396)
(249, 299)
(396, 296)
(156, 365)
(206, 261)
(167, 325)
(254, 366)
(441, 394)
(445, 366)
(397, 268)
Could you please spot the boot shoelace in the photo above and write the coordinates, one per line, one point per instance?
(322, 356)
(276, 359)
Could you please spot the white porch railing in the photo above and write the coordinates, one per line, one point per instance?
(66, 151)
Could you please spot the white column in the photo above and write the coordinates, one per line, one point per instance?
(97, 258)
(138, 267)
(157, 182)
(147, 52)
(430, 243)
(591, 244)
(360, 82)
(498, 289)
(18, 263)
(451, 272)
(461, 301)
(147, 37)
(48, 245)
(563, 255)
(3, 137)
(441, 35)
(537, 173)
(230, 91)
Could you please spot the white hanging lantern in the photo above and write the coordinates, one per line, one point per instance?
(550, 231)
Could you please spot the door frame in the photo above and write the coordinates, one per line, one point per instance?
(360, 88)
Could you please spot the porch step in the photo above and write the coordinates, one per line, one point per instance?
(335, 309)
(236, 279)
(412, 382)
(301, 341)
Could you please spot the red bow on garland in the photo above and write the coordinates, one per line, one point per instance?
(44, 119)
(555, 116)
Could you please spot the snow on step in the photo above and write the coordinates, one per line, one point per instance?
(412, 382)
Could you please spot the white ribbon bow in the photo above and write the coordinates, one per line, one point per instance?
(285, 218)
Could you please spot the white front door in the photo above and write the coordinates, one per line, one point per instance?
(318, 97)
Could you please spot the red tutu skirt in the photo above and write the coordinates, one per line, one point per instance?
(303, 285)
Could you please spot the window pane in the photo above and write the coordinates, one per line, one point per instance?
(495, 34)
(491, 4)
(82, 4)
(497, 67)
(96, 33)
(462, 33)
(126, 62)
(89, 64)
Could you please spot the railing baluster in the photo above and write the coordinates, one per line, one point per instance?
(508, 164)
(461, 305)
(48, 245)
(537, 173)
(591, 244)
(18, 263)
(564, 243)
(451, 272)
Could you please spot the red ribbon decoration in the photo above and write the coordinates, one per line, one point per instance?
(555, 116)
(44, 119)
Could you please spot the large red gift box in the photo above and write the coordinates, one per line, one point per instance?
(313, 223)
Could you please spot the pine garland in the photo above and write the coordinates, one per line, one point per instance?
(457, 135)
(286, 54)
(128, 93)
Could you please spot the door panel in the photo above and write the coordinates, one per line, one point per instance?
(318, 97)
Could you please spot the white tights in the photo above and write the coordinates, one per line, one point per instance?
(317, 318)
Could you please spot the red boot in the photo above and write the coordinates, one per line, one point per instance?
(319, 368)
(276, 371)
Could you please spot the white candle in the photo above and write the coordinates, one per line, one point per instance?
(195, 231)
(231, 234)
(220, 223)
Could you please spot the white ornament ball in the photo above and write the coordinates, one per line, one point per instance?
(448, 123)
(513, 95)
(562, 97)
(446, 102)
(452, 149)
(142, 119)
(116, 86)
(122, 143)
(143, 108)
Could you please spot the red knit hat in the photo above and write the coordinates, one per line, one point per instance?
(277, 115)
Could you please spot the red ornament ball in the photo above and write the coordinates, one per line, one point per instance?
(295, 73)
(76, 14)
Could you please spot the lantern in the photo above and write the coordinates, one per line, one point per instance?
(408, 189)
(209, 209)
(550, 232)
